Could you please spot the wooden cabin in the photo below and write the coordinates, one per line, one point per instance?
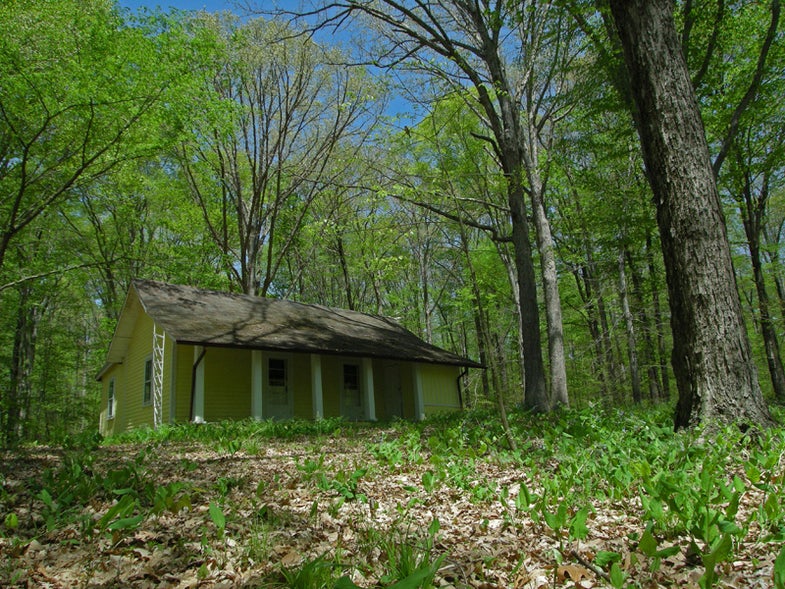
(183, 354)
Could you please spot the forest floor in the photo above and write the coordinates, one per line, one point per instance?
(591, 499)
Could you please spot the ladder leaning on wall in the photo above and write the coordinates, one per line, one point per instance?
(159, 341)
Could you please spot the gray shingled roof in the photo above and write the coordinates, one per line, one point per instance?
(205, 317)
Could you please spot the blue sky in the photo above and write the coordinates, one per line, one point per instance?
(209, 5)
(398, 105)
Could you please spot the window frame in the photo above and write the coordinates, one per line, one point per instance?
(356, 391)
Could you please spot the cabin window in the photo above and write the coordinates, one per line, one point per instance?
(351, 385)
(276, 381)
(147, 395)
(110, 400)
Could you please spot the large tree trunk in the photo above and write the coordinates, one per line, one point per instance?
(712, 360)
(535, 396)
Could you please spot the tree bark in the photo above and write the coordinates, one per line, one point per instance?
(21, 369)
(659, 325)
(649, 355)
(712, 360)
(484, 340)
(550, 281)
(632, 343)
(752, 210)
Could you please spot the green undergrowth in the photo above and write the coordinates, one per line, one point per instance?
(703, 494)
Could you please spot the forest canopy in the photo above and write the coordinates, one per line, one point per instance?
(476, 174)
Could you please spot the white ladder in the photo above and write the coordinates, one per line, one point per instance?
(159, 341)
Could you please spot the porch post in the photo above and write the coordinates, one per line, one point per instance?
(419, 402)
(370, 403)
(256, 384)
(199, 385)
(316, 386)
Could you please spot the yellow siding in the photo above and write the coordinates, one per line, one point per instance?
(107, 426)
(332, 374)
(378, 389)
(227, 384)
(440, 388)
(407, 390)
(300, 378)
(129, 400)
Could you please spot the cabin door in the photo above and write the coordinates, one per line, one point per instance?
(352, 406)
(278, 403)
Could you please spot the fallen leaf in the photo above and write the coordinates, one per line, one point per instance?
(574, 572)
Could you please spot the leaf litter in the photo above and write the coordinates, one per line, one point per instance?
(246, 519)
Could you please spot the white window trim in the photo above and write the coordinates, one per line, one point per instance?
(111, 399)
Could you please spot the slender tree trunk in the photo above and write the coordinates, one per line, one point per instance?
(773, 238)
(632, 344)
(768, 331)
(545, 246)
(512, 276)
(659, 324)
(553, 315)
(584, 287)
(347, 283)
(481, 349)
(712, 360)
(611, 365)
(752, 210)
(649, 355)
(780, 287)
(21, 370)
(424, 262)
(484, 334)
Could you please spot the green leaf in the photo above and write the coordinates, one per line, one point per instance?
(120, 510)
(722, 548)
(126, 491)
(753, 474)
(218, 517)
(604, 557)
(617, 576)
(669, 551)
(434, 527)
(11, 521)
(728, 527)
(779, 570)
(720, 551)
(46, 497)
(126, 523)
(578, 528)
(556, 520)
(416, 579)
(345, 583)
(428, 480)
(648, 544)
